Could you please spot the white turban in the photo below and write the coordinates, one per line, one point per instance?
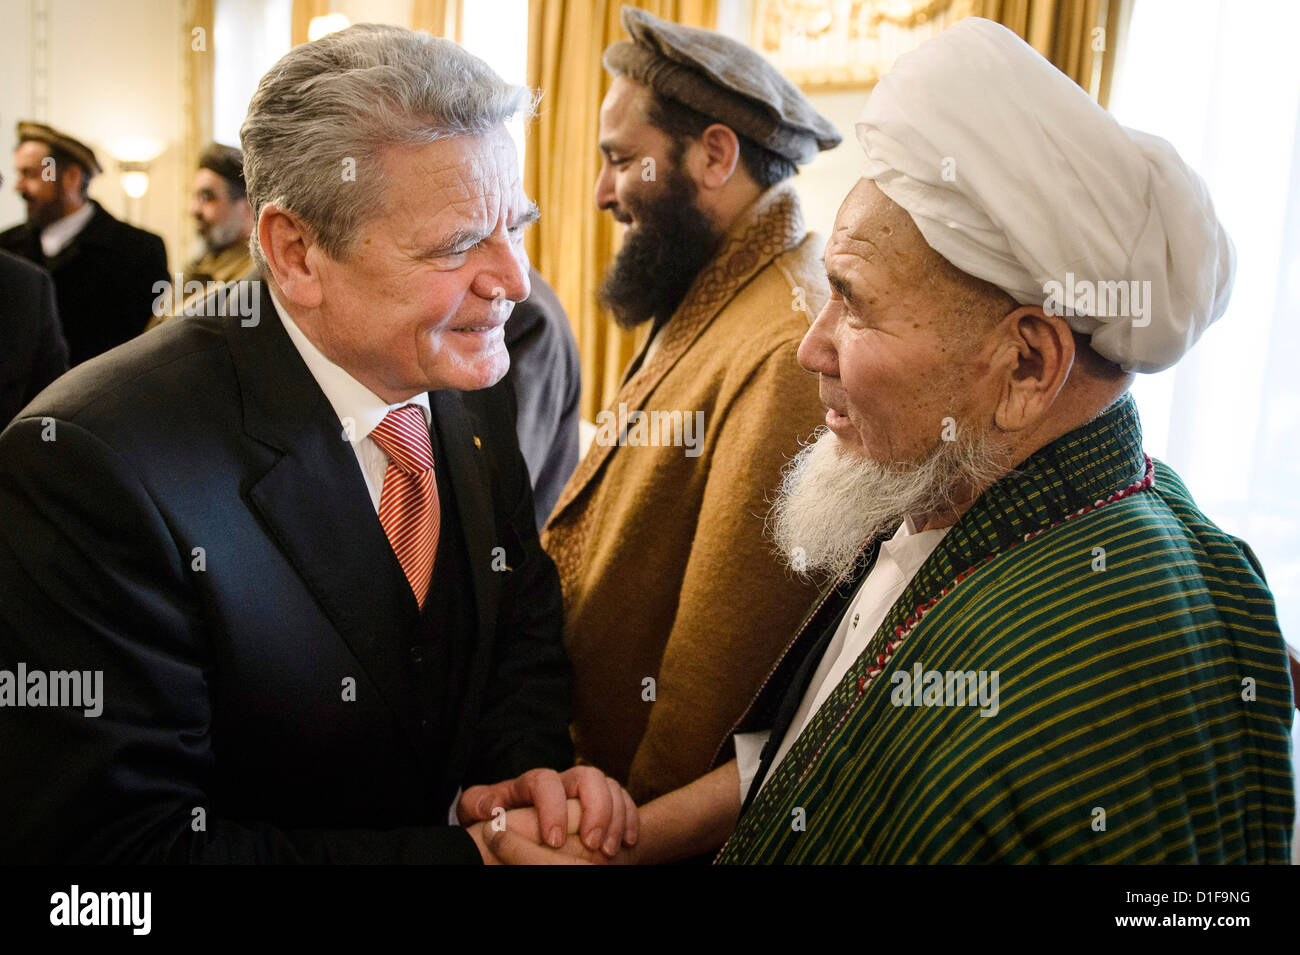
(1015, 176)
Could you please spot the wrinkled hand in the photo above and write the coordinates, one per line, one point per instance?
(608, 818)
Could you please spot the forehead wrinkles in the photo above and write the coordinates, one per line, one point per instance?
(882, 249)
(470, 186)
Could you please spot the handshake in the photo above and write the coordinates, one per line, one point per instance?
(574, 817)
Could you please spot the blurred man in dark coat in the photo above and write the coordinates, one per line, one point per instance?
(104, 270)
(548, 381)
(34, 352)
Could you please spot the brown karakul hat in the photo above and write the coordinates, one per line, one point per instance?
(79, 151)
(722, 79)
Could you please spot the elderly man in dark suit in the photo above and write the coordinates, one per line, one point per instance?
(106, 272)
(35, 352)
(285, 550)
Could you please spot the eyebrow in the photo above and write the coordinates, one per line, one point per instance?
(840, 285)
(528, 216)
(464, 237)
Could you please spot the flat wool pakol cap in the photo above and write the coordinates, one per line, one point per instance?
(724, 80)
(79, 151)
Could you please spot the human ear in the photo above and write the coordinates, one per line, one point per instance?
(1036, 352)
(720, 151)
(291, 255)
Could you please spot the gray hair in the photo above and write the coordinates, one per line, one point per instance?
(325, 114)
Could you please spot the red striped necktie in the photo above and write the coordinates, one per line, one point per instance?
(408, 505)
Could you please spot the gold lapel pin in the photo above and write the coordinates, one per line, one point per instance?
(477, 443)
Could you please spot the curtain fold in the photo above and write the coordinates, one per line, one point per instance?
(196, 98)
(439, 17)
(304, 11)
(573, 243)
(1066, 33)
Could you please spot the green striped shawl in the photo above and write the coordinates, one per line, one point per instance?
(1125, 730)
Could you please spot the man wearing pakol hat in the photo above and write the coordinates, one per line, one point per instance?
(104, 270)
(673, 608)
(1033, 646)
(224, 220)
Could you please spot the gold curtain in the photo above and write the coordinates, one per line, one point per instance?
(197, 98)
(1081, 37)
(304, 11)
(439, 17)
(573, 243)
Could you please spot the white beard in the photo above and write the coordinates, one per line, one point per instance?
(833, 502)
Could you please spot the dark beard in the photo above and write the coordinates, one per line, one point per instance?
(45, 214)
(660, 258)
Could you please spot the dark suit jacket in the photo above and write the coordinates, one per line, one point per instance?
(104, 279)
(548, 380)
(226, 670)
(34, 352)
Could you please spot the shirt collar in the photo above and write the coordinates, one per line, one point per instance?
(359, 409)
(56, 236)
(909, 548)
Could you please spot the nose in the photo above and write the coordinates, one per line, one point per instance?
(605, 196)
(506, 273)
(817, 350)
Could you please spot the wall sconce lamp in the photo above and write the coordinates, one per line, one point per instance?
(134, 178)
(329, 23)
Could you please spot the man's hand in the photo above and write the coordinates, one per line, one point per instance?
(608, 815)
(514, 838)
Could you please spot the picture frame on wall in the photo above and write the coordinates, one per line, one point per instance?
(830, 45)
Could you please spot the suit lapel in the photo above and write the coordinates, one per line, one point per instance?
(315, 501)
(470, 481)
(772, 224)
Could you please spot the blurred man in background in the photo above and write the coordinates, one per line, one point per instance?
(104, 270)
(223, 218)
(547, 376)
(34, 352)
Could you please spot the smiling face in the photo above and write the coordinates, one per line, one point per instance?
(900, 348)
(645, 184)
(421, 301)
(635, 155)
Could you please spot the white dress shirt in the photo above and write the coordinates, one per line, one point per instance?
(56, 235)
(900, 558)
(359, 409)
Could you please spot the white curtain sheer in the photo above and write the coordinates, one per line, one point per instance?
(1221, 81)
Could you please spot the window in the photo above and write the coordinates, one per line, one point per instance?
(1220, 81)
